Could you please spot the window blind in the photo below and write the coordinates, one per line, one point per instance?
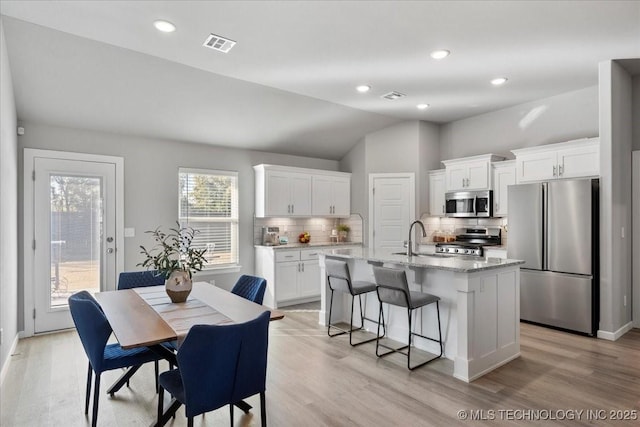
(209, 204)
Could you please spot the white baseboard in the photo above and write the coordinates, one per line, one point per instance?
(613, 336)
(5, 367)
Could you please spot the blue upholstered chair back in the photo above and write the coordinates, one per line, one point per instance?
(252, 366)
(138, 279)
(251, 288)
(208, 360)
(92, 325)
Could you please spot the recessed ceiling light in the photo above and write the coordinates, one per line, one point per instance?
(164, 26)
(440, 53)
(363, 88)
(499, 81)
(422, 106)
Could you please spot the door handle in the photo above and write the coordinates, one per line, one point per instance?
(302, 264)
(560, 170)
(110, 250)
(109, 239)
(554, 171)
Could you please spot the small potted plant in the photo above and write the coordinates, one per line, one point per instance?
(343, 232)
(175, 259)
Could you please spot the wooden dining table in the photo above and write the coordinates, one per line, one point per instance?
(146, 317)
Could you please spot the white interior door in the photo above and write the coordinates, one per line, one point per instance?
(391, 209)
(74, 235)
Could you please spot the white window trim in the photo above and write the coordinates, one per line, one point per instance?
(228, 268)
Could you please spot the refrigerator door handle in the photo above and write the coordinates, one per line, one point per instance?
(545, 226)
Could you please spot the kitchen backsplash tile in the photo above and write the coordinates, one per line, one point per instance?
(318, 228)
(434, 224)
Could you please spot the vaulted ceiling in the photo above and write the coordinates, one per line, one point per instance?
(288, 85)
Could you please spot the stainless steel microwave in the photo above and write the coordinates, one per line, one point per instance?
(469, 204)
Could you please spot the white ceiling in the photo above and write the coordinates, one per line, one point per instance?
(288, 84)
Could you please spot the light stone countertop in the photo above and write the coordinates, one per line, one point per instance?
(297, 245)
(461, 264)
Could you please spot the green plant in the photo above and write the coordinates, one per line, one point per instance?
(173, 251)
(344, 227)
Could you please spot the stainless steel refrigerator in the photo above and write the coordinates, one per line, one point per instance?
(553, 227)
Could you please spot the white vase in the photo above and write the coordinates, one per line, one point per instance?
(178, 286)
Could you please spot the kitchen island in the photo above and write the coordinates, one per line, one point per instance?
(479, 308)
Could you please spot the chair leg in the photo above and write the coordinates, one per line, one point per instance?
(231, 414)
(409, 341)
(329, 322)
(96, 396)
(190, 422)
(157, 370)
(88, 394)
(160, 403)
(263, 409)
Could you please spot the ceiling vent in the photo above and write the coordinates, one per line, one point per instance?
(393, 95)
(219, 43)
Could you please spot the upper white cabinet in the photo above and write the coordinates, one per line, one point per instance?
(331, 195)
(572, 159)
(469, 173)
(504, 175)
(436, 192)
(283, 191)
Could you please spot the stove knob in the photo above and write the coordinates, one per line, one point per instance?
(457, 250)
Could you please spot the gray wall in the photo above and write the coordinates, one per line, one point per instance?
(558, 118)
(411, 146)
(615, 92)
(8, 213)
(151, 180)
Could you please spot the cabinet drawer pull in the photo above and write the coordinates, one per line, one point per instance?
(288, 256)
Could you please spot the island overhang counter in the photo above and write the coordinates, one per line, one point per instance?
(479, 307)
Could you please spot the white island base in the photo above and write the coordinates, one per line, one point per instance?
(479, 307)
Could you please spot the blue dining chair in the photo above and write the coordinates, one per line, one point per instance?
(251, 375)
(218, 365)
(94, 331)
(251, 288)
(138, 279)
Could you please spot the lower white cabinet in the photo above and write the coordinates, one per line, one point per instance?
(293, 274)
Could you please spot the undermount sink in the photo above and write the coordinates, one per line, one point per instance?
(424, 255)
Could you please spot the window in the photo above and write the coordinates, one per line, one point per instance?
(209, 203)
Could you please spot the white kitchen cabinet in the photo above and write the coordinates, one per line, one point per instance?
(331, 195)
(504, 175)
(469, 173)
(572, 159)
(282, 191)
(436, 192)
(292, 274)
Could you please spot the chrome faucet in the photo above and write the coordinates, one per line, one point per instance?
(409, 243)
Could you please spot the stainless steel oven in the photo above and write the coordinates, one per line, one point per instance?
(469, 204)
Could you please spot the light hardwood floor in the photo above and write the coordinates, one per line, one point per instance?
(317, 381)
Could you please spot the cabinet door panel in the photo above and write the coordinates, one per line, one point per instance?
(503, 178)
(478, 175)
(436, 194)
(579, 162)
(301, 194)
(322, 195)
(287, 280)
(309, 279)
(277, 194)
(536, 166)
(456, 177)
(342, 197)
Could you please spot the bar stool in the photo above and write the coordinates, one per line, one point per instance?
(394, 290)
(339, 279)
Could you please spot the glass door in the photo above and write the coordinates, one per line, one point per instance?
(74, 229)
